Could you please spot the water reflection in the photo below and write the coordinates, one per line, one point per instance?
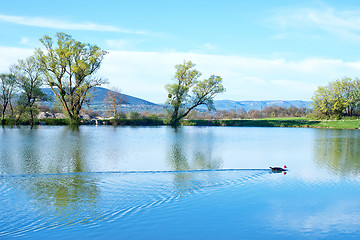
(198, 155)
(192, 151)
(338, 151)
(137, 204)
(30, 150)
(62, 192)
(38, 202)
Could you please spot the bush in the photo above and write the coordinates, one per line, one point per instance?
(54, 121)
(134, 115)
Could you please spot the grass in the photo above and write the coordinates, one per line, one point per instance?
(267, 122)
(137, 122)
(349, 124)
(278, 122)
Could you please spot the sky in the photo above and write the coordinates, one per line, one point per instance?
(263, 50)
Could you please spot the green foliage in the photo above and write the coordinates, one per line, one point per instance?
(7, 86)
(69, 69)
(279, 122)
(338, 98)
(120, 115)
(29, 79)
(267, 112)
(46, 121)
(55, 121)
(136, 119)
(187, 92)
(134, 115)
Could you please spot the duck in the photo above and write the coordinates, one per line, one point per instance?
(278, 169)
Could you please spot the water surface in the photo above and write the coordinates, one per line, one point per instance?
(186, 183)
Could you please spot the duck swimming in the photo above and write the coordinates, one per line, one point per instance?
(278, 169)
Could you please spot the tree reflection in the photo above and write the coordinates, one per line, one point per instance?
(338, 151)
(29, 151)
(35, 154)
(191, 152)
(69, 151)
(177, 157)
(62, 191)
(58, 200)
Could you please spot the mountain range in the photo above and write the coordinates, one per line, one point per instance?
(140, 105)
(258, 105)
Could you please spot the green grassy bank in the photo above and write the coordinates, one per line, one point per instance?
(115, 122)
(267, 122)
(278, 122)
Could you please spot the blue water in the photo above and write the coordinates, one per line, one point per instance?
(190, 183)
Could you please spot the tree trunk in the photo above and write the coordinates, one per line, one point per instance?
(174, 121)
(22, 110)
(3, 114)
(31, 117)
(114, 109)
(75, 119)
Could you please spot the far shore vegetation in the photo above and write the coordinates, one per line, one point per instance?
(69, 68)
(268, 117)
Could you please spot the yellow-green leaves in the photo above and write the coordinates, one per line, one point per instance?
(187, 92)
(70, 65)
(7, 85)
(340, 97)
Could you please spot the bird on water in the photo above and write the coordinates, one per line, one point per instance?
(278, 169)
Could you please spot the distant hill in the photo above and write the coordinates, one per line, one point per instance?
(141, 105)
(97, 102)
(258, 105)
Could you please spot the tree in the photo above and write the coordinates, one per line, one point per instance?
(7, 86)
(354, 97)
(340, 97)
(187, 92)
(113, 99)
(29, 80)
(69, 69)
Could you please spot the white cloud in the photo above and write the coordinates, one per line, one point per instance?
(208, 46)
(24, 41)
(121, 44)
(62, 24)
(10, 56)
(333, 216)
(341, 24)
(116, 43)
(285, 84)
(144, 74)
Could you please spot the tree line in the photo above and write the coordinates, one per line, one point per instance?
(267, 112)
(68, 67)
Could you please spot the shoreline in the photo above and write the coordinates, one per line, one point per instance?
(267, 122)
(280, 122)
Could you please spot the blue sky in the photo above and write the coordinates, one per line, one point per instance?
(264, 50)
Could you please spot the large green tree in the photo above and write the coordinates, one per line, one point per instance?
(187, 92)
(69, 67)
(7, 86)
(29, 79)
(340, 97)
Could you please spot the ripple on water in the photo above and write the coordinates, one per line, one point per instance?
(43, 202)
(36, 205)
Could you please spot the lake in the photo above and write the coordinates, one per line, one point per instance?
(104, 182)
